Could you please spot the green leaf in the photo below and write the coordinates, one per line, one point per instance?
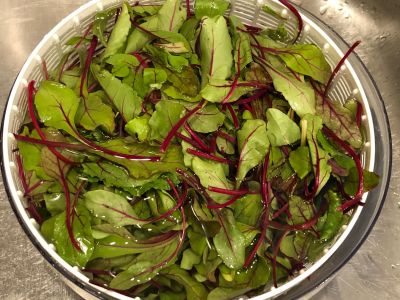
(55, 203)
(207, 120)
(189, 259)
(186, 83)
(211, 173)
(111, 175)
(371, 180)
(57, 105)
(225, 146)
(281, 129)
(300, 209)
(216, 50)
(154, 77)
(318, 155)
(166, 59)
(248, 209)
(144, 267)
(92, 113)
(169, 18)
(194, 290)
(241, 44)
(111, 208)
(82, 234)
(210, 8)
(340, 120)
(173, 42)
(268, 10)
(100, 24)
(298, 93)
(119, 34)
(307, 60)
(145, 10)
(334, 218)
(230, 242)
(139, 127)
(253, 146)
(171, 160)
(166, 115)
(119, 242)
(300, 161)
(217, 90)
(225, 293)
(124, 98)
(122, 64)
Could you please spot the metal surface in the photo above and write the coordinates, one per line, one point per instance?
(376, 257)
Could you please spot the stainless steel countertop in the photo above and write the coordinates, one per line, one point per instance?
(373, 273)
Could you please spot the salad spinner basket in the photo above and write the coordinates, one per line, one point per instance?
(353, 81)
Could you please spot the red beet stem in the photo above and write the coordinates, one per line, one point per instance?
(339, 65)
(86, 33)
(45, 71)
(194, 182)
(234, 116)
(89, 57)
(31, 88)
(276, 251)
(346, 147)
(76, 197)
(34, 187)
(171, 134)
(21, 173)
(229, 192)
(67, 194)
(187, 140)
(310, 195)
(208, 156)
(142, 62)
(237, 76)
(188, 12)
(280, 211)
(226, 136)
(256, 96)
(196, 138)
(300, 22)
(64, 145)
(226, 204)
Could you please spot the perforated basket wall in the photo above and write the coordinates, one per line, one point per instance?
(52, 48)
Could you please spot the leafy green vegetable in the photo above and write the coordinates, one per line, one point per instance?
(207, 120)
(216, 50)
(210, 8)
(123, 97)
(253, 146)
(230, 242)
(281, 129)
(83, 235)
(92, 113)
(119, 34)
(190, 156)
(297, 91)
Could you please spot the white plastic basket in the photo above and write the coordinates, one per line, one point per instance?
(349, 84)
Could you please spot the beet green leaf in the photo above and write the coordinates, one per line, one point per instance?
(281, 129)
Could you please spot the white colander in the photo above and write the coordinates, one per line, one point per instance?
(353, 82)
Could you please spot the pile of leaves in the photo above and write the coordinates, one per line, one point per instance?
(190, 156)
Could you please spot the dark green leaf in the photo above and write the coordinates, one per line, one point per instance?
(334, 218)
(82, 234)
(154, 78)
(122, 64)
(194, 290)
(248, 209)
(300, 209)
(371, 180)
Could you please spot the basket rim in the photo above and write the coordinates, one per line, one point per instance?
(67, 270)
